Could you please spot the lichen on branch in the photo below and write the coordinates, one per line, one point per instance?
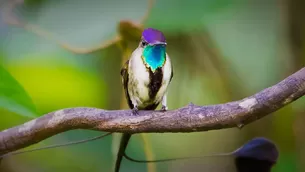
(191, 118)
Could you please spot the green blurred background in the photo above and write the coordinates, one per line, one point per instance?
(222, 50)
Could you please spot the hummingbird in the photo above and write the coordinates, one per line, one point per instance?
(145, 78)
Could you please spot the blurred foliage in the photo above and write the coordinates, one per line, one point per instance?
(222, 50)
(13, 97)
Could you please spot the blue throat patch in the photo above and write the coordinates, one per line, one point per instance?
(154, 56)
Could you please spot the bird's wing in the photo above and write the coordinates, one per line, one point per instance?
(172, 74)
(172, 71)
(124, 74)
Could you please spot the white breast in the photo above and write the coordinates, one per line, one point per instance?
(139, 79)
(167, 72)
(138, 68)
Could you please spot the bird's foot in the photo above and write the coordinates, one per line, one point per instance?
(135, 111)
(164, 108)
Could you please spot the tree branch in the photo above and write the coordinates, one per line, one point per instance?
(190, 118)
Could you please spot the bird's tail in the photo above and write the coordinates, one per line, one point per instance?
(123, 144)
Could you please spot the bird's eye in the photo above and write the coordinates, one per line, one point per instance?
(143, 43)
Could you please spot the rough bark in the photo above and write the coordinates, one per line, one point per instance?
(191, 118)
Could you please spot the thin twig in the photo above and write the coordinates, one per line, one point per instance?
(11, 19)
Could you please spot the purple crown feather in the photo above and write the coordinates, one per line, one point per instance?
(153, 36)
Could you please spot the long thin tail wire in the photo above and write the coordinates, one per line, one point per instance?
(176, 159)
(57, 145)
